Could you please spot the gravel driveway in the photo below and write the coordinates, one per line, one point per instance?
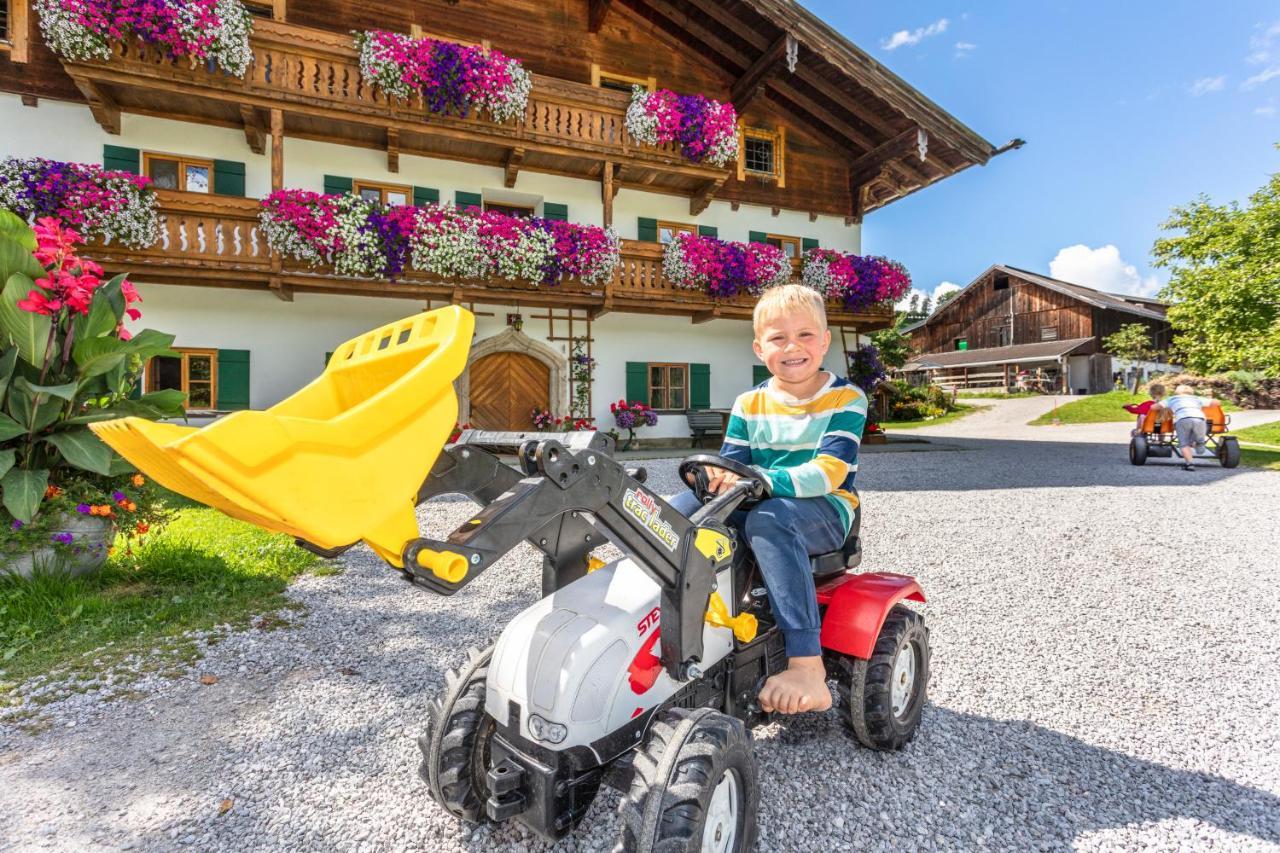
(1106, 674)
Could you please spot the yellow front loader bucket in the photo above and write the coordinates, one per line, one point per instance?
(339, 461)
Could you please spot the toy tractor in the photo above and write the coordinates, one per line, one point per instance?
(641, 673)
(1157, 437)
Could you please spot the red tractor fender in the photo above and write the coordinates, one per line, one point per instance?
(857, 605)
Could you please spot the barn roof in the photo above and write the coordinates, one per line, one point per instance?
(1039, 351)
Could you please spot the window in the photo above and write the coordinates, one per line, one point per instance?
(171, 172)
(1002, 336)
(668, 388)
(13, 29)
(389, 194)
(620, 82)
(4, 20)
(194, 372)
(1001, 283)
(763, 154)
(261, 8)
(790, 246)
(962, 343)
(1048, 333)
(510, 209)
(667, 231)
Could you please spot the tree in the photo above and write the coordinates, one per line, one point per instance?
(944, 299)
(1131, 342)
(926, 306)
(1225, 282)
(894, 347)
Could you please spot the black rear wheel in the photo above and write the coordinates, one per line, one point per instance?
(1137, 450)
(1229, 452)
(885, 695)
(693, 787)
(455, 746)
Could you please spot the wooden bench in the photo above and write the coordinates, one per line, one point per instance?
(704, 423)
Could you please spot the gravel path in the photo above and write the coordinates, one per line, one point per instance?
(1105, 676)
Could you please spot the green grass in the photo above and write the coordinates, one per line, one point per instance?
(960, 411)
(996, 395)
(1100, 409)
(1268, 456)
(202, 569)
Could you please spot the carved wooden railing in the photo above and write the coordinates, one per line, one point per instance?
(216, 240)
(312, 71)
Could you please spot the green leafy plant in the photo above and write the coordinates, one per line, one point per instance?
(66, 361)
(1132, 342)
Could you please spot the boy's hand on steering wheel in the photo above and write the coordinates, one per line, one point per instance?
(720, 480)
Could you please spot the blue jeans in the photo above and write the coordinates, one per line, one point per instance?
(783, 533)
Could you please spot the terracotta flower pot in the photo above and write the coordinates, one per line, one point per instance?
(84, 553)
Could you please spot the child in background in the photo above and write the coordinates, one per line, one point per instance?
(1156, 390)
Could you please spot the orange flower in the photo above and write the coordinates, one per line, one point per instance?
(52, 491)
(142, 528)
(137, 480)
(130, 506)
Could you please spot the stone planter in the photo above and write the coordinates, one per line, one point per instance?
(87, 552)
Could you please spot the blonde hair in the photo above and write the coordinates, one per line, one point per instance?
(789, 299)
(1184, 389)
(1155, 389)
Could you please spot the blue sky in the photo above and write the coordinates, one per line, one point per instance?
(1128, 109)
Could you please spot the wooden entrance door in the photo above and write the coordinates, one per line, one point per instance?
(505, 387)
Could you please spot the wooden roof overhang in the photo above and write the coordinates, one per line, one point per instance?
(896, 140)
(215, 241)
(313, 78)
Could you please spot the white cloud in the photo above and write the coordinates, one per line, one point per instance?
(1266, 111)
(913, 37)
(964, 49)
(1205, 85)
(905, 302)
(1260, 45)
(1261, 77)
(1102, 269)
(945, 288)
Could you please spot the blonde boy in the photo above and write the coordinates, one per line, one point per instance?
(800, 430)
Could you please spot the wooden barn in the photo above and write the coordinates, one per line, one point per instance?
(1011, 327)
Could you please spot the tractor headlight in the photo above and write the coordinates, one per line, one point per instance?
(547, 730)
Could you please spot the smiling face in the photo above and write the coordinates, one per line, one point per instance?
(792, 345)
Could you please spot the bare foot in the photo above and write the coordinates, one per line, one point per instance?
(802, 686)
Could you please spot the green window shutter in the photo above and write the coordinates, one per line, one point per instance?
(233, 379)
(422, 196)
(756, 236)
(228, 177)
(708, 231)
(807, 243)
(638, 382)
(464, 200)
(759, 373)
(558, 212)
(337, 185)
(117, 159)
(699, 386)
(647, 229)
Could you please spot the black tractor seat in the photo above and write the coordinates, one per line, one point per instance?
(826, 566)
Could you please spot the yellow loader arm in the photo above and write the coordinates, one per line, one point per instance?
(339, 461)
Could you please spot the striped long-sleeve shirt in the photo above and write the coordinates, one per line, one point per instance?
(804, 448)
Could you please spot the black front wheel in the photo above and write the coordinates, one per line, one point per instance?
(1137, 450)
(693, 787)
(1229, 452)
(885, 695)
(455, 746)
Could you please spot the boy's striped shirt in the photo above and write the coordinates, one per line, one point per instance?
(804, 448)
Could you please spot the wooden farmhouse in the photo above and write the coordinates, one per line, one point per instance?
(827, 136)
(1009, 321)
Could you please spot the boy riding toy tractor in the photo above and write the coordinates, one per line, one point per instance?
(642, 673)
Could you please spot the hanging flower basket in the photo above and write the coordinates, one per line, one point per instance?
(203, 30)
(117, 207)
(453, 79)
(859, 281)
(706, 130)
(723, 268)
(364, 239)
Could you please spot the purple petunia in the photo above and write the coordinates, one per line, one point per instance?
(62, 538)
(117, 496)
(17, 525)
(83, 509)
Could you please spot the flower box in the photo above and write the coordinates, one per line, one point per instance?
(706, 130)
(723, 268)
(116, 207)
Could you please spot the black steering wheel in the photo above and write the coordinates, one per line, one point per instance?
(693, 471)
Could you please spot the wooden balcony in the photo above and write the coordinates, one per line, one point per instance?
(214, 241)
(313, 78)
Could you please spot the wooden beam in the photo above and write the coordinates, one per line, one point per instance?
(18, 32)
(254, 133)
(705, 316)
(597, 11)
(511, 168)
(608, 189)
(700, 202)
(752, 81)
(105, 110)
(913, 140)
(393, 149)
(279, 9)
(282, 291)
(277, 150)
